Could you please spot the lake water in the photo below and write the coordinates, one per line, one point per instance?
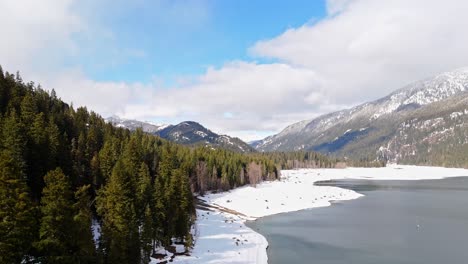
(417, 222)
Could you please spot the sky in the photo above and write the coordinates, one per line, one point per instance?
(242, 68)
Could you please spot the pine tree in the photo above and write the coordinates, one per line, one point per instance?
(158, 211)
(107, 158)
(85, 249)
(144, 204)
(167, 192)
(53, 140)
(17, 228)
(56, 229)
(116, 206)
(13, 139)
(147, 235)
(184, 199)
(28, 109)
(173, 196)
(38, 153)
(144, 189)
(95, 171)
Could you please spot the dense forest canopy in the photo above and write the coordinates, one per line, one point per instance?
(64, 171)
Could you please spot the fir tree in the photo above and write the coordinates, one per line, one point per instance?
(116, 205)
(56, 230)
(13, 139)
(159, 217)
(185, 206)
(85, 248)
(147, 236)
(17, 228)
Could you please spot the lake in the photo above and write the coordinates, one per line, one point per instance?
(417, 222)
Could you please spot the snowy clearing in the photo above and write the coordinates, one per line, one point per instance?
(223, 237)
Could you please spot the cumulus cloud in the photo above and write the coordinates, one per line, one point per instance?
(31, 27)
(238, 98)
(367, 48)
(106, 98)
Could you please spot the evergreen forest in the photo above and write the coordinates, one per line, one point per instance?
(65, 173)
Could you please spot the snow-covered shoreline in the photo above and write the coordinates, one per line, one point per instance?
(223, 237)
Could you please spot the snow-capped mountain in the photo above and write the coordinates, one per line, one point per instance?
(186, 133)
(366, 128)
(131, 124)
(192, 133)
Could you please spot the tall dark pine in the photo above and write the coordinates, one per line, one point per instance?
(116, 205)
(56, 231)
(17, 225)
(165, 192)
(84, 247)
(144, 202)
(183, 198)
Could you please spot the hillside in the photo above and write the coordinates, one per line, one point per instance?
(185, 133)
(73, 187)
(422, 123)
(192, 133)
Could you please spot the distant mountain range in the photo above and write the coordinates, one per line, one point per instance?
(186, 133)
(131, 124)
(425, 122)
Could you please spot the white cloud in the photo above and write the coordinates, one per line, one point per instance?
(336, 6)
(368, 48)
(106, 98)
(36, 33)
(362, 50)
(258, 97)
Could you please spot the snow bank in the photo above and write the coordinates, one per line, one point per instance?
(296, 190)
(394, 172)
(224, 238)
(218, 232)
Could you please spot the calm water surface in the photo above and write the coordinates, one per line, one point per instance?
(396, 222)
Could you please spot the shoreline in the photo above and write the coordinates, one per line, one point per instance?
(223, 237)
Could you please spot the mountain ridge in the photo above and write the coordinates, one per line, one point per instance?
(185, 133)
(339, 132)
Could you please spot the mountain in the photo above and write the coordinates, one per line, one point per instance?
(425, 122)
(254, 143)
(134, 124)
(192, 133)
(185, 133)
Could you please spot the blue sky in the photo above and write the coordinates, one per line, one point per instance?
(243, 68)
(167, 41)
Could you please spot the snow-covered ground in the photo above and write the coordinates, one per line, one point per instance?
(223, 237)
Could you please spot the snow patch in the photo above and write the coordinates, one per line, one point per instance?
(96, 228)
(201, 133)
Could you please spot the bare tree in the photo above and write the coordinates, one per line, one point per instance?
(254, 172)
(201, 173)
(242, 177)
